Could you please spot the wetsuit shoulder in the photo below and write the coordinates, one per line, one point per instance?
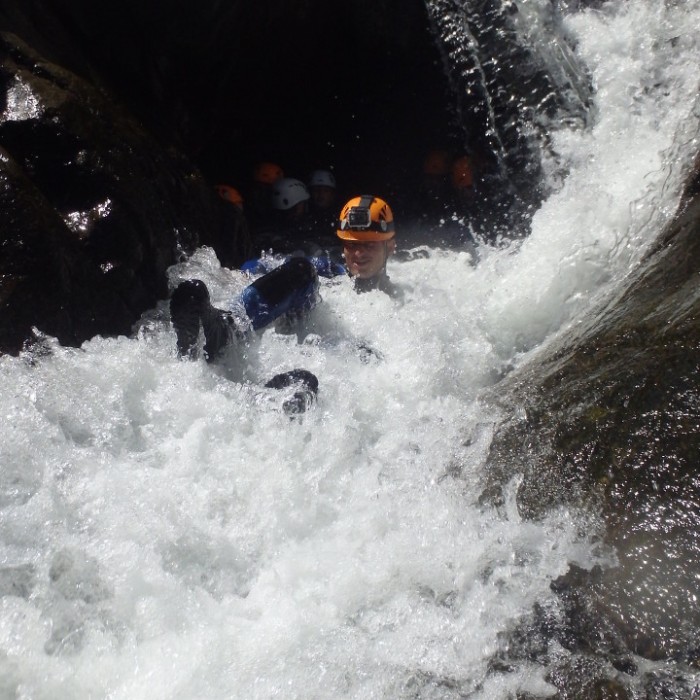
(380, 282)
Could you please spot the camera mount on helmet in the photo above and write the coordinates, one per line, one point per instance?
(360, 216)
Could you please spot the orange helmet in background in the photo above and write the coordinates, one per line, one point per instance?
(436, 162)
(462, 174)
(230, 194)
(267, 173)
(366, 218)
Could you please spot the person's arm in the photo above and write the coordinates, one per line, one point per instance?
(326, 267)
(324, 264)
(261, 266)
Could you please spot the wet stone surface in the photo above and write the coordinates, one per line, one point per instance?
(610, 423)
(93, 209)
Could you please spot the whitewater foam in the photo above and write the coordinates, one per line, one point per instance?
(167, 532)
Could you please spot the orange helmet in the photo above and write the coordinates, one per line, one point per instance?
(462, 175)
(436, 163)
(230, 194)
(267, 173)
(366, 218)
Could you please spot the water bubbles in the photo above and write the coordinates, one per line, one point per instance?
(22, 104)
(81, 222)
(166, 516)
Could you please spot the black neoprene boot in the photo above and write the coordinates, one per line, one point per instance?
(219, 331)
(188, 303)
(306, 385)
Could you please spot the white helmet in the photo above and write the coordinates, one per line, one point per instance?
(288, 192)
(322, 178)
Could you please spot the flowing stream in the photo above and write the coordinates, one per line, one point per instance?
(167, 532)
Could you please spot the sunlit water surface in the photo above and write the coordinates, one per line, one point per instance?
(166, 531)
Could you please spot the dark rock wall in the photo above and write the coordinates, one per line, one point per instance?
(302, 83)
(612, 422)
(93, 209)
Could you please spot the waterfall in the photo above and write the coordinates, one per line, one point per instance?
(166, 531)
(511, 65)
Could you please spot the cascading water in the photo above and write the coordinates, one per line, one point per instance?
(167, 532)
(512, 71)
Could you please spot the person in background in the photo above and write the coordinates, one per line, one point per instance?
(435, 187)
(322, 206)
(230, 194)
(290, 224)
(448, 201)
(463, 184)
(259, 196)
(235, 243)
(290, 197)
(459, 229)
(436, 206)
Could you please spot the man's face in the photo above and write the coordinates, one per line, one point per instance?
(367, 259)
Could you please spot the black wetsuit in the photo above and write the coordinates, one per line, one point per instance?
(291, 288)
(380, 282)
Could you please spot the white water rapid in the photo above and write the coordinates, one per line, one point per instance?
(167, 533)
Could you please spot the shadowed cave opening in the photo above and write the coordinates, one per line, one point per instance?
(368, 106)
(358, 87)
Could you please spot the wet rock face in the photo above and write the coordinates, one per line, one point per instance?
(612, 422)
(507, 61)
(92, 209)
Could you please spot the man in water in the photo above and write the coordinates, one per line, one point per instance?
(366, 229)
(367, 237)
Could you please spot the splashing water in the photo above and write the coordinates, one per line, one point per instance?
(167, 532)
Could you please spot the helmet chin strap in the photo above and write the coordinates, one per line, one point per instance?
(386, 255)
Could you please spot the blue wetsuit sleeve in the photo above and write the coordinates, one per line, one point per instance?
(254, 267)
(327, 267)
(290, 288)
(261, 266)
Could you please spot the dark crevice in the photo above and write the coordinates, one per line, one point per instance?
(359, 87)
